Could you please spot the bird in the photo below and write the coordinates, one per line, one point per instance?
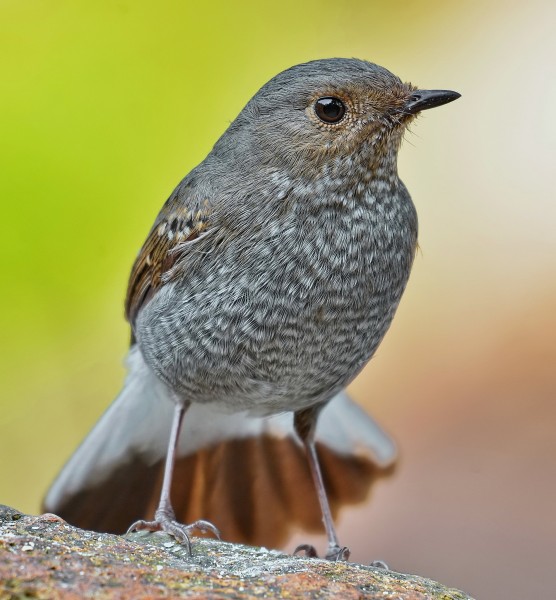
(266, 283)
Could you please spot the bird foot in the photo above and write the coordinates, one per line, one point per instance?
(165, 520)
(334, 553)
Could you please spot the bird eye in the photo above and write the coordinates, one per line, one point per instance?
(330, 110)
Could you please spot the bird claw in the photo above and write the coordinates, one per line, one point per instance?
(379, 564)
(204, 527)
(334, 553)
(310, 551)
(165, 521)
(338, 553)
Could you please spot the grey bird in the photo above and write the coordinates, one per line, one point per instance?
(265, 285)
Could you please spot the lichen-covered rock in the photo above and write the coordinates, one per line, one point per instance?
(44, 557)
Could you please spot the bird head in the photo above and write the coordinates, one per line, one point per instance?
(346, 113)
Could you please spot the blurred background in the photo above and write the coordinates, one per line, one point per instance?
(104, 106)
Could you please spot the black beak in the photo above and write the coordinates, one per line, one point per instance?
(423, 99)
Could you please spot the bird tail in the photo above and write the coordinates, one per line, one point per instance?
(248, 475)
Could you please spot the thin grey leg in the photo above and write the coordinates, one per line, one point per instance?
(305, 424)
(164, 516)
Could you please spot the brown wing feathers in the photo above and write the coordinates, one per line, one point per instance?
(176, 225)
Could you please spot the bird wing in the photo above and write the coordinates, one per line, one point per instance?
(180, 221)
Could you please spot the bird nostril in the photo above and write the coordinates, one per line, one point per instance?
(415, 97)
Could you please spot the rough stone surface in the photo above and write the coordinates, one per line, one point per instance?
(44, 557)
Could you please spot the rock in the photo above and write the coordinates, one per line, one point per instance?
(44, 557)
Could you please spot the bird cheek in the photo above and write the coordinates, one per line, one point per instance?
(369, 130)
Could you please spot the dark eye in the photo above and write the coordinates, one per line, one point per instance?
(330, 110)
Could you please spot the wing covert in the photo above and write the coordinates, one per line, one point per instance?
(177, 224)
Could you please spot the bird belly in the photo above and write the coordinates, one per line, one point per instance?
(284, 332)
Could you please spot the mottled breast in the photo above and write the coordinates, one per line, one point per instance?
(290, 315)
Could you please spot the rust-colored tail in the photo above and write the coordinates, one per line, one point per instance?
(247, 475)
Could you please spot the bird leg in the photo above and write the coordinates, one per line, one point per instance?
(164, 516)
(305, 422)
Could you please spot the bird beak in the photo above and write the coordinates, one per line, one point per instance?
(423, 99)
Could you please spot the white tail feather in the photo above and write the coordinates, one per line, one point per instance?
(138, 422)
